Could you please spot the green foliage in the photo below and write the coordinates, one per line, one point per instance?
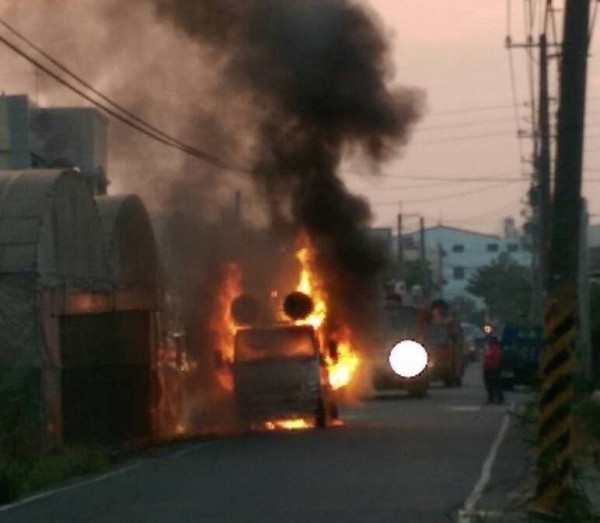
(24, 469)
(24, 475)
(589, 413)
(505, 287)
(466, 309)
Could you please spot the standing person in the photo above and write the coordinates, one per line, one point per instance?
(492, 360)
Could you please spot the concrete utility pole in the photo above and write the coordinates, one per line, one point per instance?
(540, 196)
(540, 189)
(423, 258)
(544, 167)
(400, 247)
(560, 320)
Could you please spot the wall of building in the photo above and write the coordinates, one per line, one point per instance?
(463, 252)
(55, 137)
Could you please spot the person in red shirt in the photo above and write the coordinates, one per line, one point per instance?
(492, 360)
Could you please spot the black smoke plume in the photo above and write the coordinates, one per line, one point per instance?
(317, 73)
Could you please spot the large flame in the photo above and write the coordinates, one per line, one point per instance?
(308, 285)
(222, 324)
(343, 368)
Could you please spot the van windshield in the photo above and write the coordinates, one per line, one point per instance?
(281, 342)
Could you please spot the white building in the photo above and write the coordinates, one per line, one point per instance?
(462, 252)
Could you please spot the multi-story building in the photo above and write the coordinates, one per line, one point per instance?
(460, 253)
(36, 137)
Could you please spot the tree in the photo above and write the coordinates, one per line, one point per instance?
(505, 287)
(466, 309)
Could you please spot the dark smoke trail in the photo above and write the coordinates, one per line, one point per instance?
(318, 72)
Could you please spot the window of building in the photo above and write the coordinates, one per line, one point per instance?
(512, 247)
(492, 247)
(459, 247)
(458, 273)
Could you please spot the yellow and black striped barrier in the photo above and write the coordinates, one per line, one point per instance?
(556, 366)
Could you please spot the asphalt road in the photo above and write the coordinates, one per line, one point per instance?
(396, 459)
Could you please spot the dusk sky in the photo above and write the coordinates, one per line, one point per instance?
(464, 166)
(455, 52)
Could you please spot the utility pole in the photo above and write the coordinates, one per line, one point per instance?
(423, 259)
(541, 183)
(560, 319)
(540, 191)
(544, 167)
(400, 248)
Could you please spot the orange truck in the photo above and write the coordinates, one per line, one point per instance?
(445, 346)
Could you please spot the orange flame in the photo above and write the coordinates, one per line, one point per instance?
(342, 371)
(222, 323)
(289, 424)
(308, 285)
(343, 368)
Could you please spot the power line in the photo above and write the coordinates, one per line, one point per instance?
(466, 137)
(131, 120)
(444, 197)
(465, 110)
(418, 177)
(513, 87)
(460, 125)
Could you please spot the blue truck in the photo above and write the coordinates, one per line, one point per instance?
(521, 346)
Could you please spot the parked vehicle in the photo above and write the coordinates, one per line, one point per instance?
(279, 372)
(398, 323)
(445, 344)
(521, 346)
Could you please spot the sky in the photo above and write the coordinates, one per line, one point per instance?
(465, 165)
(455, 51)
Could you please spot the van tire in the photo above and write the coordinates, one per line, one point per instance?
(321, 415)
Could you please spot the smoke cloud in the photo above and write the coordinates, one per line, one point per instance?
(319, 72)
(286, 89)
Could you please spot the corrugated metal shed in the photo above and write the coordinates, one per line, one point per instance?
(128, 241)
(49, 226)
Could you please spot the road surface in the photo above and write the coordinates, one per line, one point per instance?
(396, 459)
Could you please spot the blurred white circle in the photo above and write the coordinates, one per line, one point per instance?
(408, 358)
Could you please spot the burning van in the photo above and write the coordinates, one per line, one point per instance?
(284, 360)
(280, 373)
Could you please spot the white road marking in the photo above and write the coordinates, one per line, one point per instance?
(102, 477)
(468, 512)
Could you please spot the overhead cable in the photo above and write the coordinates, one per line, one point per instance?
(127, 118)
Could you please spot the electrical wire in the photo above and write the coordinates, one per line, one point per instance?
(487, 214)
(77, 78)
(455, 139)
(459, 179)
(135, 122)
(466, 110)
(445, 197)
(460, 125)
(513, 87)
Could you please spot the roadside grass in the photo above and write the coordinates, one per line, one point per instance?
(585, 447)
(24, 475)
(24, 468)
